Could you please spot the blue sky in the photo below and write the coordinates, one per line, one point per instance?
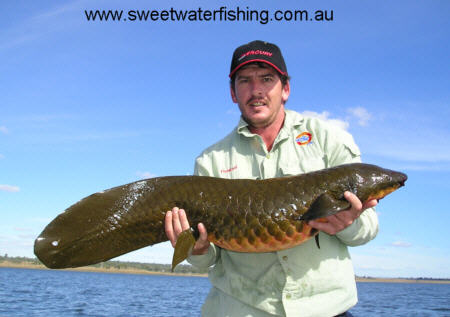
(86, 106)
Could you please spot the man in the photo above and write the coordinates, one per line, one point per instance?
(271, 141)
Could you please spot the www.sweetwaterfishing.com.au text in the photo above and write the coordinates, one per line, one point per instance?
(222, 14)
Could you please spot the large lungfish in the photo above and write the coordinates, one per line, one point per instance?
(240, 215)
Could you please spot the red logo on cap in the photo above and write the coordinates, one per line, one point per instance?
(257, 52)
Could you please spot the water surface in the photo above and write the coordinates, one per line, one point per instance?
(29, 292)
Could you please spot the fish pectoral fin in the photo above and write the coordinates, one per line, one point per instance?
(317, 241)
(184, 245)
(325, 205)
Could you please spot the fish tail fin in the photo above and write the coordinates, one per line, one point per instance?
(185, 243)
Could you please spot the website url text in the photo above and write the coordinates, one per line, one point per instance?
(223, 14)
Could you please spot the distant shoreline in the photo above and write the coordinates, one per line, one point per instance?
(400, 280)
(26, 265)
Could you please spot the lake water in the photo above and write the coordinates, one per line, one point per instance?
(25, 292)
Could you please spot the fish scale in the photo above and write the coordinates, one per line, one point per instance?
(240, 215)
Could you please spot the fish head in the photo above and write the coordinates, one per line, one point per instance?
(102, 226)
(366, 181)
(75, 236)
(56, 247)
(369, 181)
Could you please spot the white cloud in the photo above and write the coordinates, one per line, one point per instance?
(2, 156)
(144, 175)
(325, 116)
(403, 138)
(9, 188)
(401, 244)
(4, 130)
(361, 114)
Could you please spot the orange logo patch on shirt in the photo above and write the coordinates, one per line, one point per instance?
(303, 138)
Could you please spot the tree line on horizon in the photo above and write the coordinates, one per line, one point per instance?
(119, 265)
(163, 268)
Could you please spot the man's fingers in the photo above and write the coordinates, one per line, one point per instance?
(370, 203)
(183, 220)
(203, 234)
(322, 226)
(202, 244)
(353, 200)
(341, 220)
(344, 219)
(168, 226)
(357, 205)
(176, 222)
(334, 224)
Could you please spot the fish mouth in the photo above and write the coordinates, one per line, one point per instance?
(403, 182)
(401, 179)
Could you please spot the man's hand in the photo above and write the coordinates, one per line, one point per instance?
(343, 219)
(176, 222)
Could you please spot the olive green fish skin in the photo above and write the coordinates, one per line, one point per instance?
(252, 212)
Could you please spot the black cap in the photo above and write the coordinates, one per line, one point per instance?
(258, 51)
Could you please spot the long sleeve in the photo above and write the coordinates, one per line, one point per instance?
(206, 260)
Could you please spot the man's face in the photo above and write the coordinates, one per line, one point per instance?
(260, 95)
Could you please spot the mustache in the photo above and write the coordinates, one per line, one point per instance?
(256, 99)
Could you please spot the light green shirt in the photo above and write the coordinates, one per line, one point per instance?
(300, 281)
